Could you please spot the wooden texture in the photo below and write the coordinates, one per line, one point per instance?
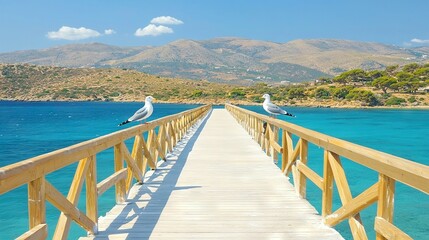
(38, 232)
(220, 187)
(389, 231)
(390, 169)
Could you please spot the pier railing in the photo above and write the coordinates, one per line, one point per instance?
(163, 134)
(294, 159)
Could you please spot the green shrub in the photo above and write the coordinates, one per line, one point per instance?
(394, 101)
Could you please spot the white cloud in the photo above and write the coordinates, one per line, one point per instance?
(70, 33)
(420, 41)
(166, 20)
(152, 30)
(109, 31)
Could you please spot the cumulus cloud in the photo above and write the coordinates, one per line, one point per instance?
(166, 20)
(419, 41)
(70, 33)
(152, 30)
(109, 31)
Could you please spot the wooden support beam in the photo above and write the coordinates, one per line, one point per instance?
(111, 181)
(356, 226)
(131, 164)
(65, 206)
(63, 225)
(38, 232)
(293, 157)
(310, 174)
(389, 231)
(354, 206)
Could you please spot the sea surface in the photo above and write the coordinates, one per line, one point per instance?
(29, 129)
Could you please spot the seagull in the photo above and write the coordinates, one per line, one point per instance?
(273, 109)
(142, 113)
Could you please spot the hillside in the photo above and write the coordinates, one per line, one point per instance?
(405, 86)
(42, 83)
(229, 60)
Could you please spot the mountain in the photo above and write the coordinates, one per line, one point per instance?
(232, 60)
(73, 55)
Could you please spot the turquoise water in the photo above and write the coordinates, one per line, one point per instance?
(30, 129)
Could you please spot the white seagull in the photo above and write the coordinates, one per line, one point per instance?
(273, 109)
(142, 113)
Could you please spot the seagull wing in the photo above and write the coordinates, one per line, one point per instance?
(274, 109)
(139, 115)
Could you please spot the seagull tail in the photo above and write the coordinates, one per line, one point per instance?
(124, 122)
(289, 114)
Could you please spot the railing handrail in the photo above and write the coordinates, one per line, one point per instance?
(413, 174)
(145, 153)
(390, 168)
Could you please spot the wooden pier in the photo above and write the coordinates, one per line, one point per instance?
(200, 175)
(220, 187)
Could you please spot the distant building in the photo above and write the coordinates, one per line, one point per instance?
(423, 89)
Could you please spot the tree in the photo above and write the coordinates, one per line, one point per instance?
(322, 93)
(391, 70)
(355, 75)
(376, 74)
(383, 83)
(364, 96)
(410, 68)
(341, 92)
(296, 93)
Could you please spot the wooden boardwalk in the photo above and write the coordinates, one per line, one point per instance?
(217, 184)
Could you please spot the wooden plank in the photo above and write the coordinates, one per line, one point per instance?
(63, 224)
(120, 186)
(38, 232)
(356, 226)
(303, 156)
(310, 174)
(186, 197)
(386, 194)
(354, 206)
(388, 230)
(293, 157)
(328, 185)
(91, 190)
(36, 202)
(111, 181)
(65, 206)
(131, 163)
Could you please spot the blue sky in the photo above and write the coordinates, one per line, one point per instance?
(46, 23)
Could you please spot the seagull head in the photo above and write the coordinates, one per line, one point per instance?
(266, 96)
(149, 99)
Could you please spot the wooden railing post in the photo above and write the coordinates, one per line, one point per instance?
(36, 202)
(302, 180)
(386, 193)
(120, 187)
(91, 191)
(328, 185)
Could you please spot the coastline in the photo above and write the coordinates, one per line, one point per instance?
(305, 104)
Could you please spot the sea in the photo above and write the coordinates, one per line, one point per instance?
(28, 129)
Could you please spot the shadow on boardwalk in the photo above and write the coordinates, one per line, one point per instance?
(137, 217)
